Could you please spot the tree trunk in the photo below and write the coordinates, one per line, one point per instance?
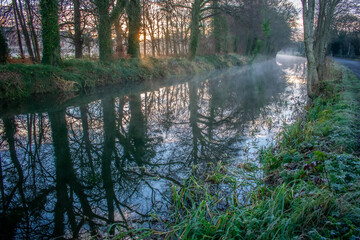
(309, 16)
(104, 30)
(186, 40)
(134, 14)
(182, 40)
(217, 27)
(32, 32)
(316, 39)
(326, 13)
(174, 36)
(164, 40)
(4, 49)
(151, 30)
(19, 36)
(21, 19)
(158, 38)
(167, 37)
(78, 41)
(50, 32)
(119, 45)
(144, 30)
(153, 44)
(194, 27)
(106, 19)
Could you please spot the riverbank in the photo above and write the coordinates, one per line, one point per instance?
(312, 184)
(19, 80)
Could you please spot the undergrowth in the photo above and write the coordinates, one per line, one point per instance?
(312, 184)
(19, 80)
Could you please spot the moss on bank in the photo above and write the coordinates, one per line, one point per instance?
(312, 184)
(17, 81)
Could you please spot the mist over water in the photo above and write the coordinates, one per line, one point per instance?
(76, 170)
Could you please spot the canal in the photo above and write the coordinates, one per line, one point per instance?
(72, 168)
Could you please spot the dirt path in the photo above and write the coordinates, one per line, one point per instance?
(351, 64)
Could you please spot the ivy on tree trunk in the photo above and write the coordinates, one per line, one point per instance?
(134, 14)
(195, 28)
(106, 19)
(50, 32)
(104, 30)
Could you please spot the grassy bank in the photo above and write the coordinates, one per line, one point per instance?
(312, 184)
(18, 80)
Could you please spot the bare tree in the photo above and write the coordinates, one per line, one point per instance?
(20, 15)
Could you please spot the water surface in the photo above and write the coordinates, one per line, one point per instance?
(72, 168)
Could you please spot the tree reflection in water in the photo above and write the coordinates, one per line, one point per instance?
(76, 171)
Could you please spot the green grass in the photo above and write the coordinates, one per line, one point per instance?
(312, 184)
(18, 80)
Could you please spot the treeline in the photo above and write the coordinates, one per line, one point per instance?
(134, 28)
(345, 35)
